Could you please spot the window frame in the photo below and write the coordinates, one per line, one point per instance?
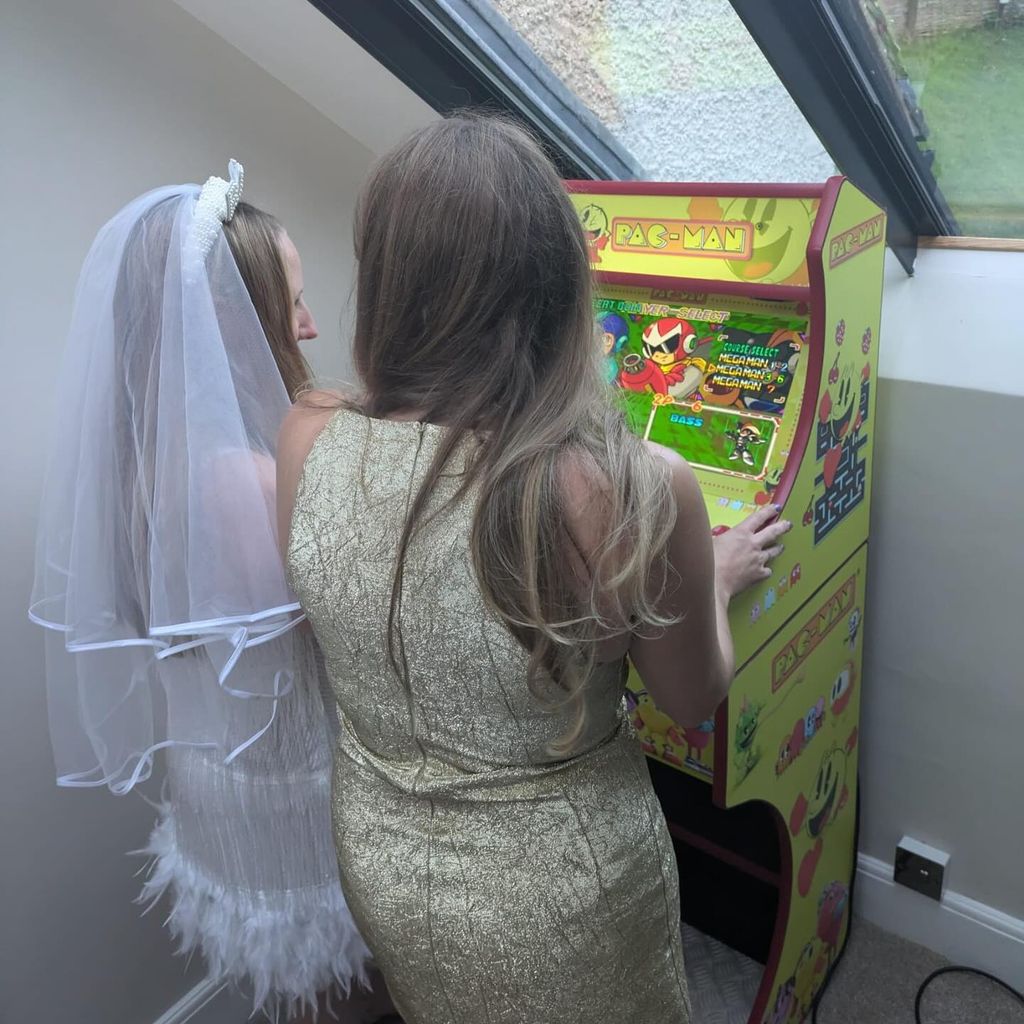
(458, 53)
(825, 56)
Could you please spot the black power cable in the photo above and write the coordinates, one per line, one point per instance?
(961, 970)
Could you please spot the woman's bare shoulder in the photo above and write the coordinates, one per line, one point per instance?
(671, 458)
(323, 398)
(685, 487)
(312, 411)
(586, 499)
(589, 494)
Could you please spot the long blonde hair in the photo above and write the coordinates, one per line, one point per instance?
(474, 309)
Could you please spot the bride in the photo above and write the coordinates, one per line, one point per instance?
(158, 580)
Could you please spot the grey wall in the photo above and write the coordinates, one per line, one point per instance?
(942, 758)
(102, 100)
(943, 707)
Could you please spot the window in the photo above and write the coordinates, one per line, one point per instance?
(684, 87)
(959, 69)
(917, 101)
(679, 83)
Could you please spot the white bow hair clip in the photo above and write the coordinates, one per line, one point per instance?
(215, 206)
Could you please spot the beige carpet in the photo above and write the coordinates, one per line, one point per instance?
(876, 983)
(878, 978)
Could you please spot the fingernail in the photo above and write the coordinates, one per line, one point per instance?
(778, 508)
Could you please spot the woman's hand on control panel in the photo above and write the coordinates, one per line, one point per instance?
(744, 553)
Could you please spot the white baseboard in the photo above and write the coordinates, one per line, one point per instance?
(963, 930)
(192, 1002)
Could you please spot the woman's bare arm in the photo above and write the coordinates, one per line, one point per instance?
(688, 666)
(299, 432)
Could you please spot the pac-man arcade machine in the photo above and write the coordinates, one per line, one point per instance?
(741, 324)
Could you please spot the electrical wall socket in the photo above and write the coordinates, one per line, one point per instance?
(920, 867)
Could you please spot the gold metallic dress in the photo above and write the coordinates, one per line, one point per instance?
(493, 884)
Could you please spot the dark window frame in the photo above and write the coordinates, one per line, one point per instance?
(824, 54)
(459, 53)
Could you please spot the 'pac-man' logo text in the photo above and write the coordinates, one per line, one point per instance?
(724, 240)
(798, 649)
(849, 243)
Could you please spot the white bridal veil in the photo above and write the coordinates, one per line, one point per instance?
(157, 533)
(169, 620)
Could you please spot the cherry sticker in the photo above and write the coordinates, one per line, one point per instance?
(832, 457)
(805, 876)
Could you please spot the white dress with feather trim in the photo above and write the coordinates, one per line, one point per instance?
(245, 850)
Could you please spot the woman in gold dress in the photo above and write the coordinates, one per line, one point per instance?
(479, 542)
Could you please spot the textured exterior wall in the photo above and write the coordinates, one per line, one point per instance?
(680, 83)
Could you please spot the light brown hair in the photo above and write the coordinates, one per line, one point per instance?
(254, 237)
(473, 309)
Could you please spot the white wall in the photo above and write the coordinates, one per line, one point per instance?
(942, 756)
(102, 100)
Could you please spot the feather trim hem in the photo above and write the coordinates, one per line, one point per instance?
(286, 946)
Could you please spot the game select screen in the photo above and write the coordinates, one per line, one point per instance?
(711, 383)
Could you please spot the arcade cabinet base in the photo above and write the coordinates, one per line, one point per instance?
(722, 983)
(728, 862)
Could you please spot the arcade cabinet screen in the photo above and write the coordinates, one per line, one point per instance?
(710, 383)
